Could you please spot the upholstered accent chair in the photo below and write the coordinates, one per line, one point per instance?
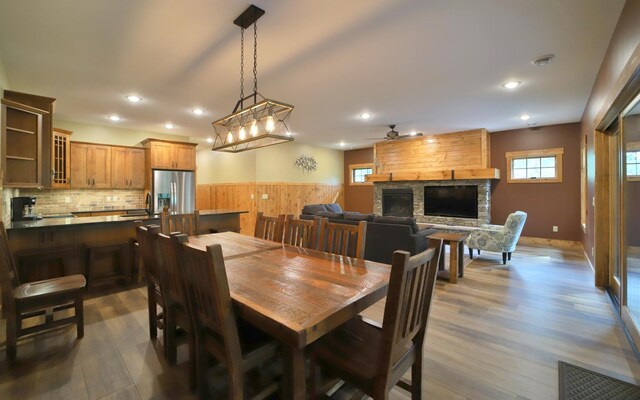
(502, 239)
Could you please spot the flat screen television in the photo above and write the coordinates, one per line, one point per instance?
(451, 201)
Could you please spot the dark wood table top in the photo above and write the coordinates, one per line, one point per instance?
(452, 237)
(296, 294)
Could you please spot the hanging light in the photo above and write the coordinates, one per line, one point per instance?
(269, 118)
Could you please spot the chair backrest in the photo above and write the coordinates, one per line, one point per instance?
(210, 301)
(146, 236)
(513, 226)
(9, 279)
(406, 312)
(184, 223)
(300, 232)
(342, 239)
(269, 228)
(172, 284)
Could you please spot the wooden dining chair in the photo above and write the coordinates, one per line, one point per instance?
(269, 228)
(183, 223)
(33, 299)
(300, 232)
(217, 331)
(176, 310)
(342, 239)
(374, 357)
(146, 236)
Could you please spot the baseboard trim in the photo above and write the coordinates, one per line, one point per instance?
(544, 242)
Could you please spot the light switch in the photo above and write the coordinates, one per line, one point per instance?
(67, 199)
(265, 196)
(253, 196)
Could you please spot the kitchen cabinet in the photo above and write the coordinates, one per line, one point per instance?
(90, 166)
(127, 168)
(60, 159)
(171, 155)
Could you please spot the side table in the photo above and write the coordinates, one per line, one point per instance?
(456, 255)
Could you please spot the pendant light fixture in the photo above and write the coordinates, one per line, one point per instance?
(262, 123)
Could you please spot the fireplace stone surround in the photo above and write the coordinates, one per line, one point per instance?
(484, 200)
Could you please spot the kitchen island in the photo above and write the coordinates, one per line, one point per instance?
(53, 247)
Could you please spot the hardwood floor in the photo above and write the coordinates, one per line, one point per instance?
(497, 334)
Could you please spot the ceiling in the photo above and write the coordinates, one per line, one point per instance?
(433, 66)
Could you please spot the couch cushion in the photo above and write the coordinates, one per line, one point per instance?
(398, 220)
(334, 207)
(356, 216)
(331, 215)
(313, 209)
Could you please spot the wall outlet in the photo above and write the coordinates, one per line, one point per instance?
(593, 201)
(109, 198)
(115, 198)
(265, 196)
(253, 196)
(555, 228)
(67, 199)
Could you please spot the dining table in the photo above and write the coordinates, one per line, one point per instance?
(295, 294)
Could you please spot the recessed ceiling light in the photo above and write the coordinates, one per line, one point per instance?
(198, 111)
(342, 144)
(114, 118)
(525, 117)
(365, 115)
(209, 140)
(169, 125)
(133, 98)
(512, 84)
(413, 133)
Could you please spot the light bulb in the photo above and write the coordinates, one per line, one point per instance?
(254, 128)
(270, 124)
(229, 137)
(243, 134)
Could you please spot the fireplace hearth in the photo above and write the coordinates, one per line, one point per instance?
(397, 202)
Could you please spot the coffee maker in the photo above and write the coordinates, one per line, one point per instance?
(22, 208)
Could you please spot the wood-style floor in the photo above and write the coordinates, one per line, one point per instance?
(497, 334)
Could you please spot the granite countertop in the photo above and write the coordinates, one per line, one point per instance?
(59, 222)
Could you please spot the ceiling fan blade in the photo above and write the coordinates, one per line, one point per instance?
(409, 136)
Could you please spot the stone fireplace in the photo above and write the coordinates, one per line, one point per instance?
(417, 188)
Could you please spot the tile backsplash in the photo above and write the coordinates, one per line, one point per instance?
(64, 201)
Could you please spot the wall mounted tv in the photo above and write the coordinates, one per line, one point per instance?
(451, 201)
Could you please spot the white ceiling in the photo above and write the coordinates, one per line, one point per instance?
(434, 66)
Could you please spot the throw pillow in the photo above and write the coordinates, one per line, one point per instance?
(313, 209)
(334, 207)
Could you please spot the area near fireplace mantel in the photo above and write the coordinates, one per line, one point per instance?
(452, 156)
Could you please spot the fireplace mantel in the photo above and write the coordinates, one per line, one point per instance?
(437, 175)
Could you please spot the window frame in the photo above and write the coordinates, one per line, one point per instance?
(557, 152)
(634, 147)
(353, 167)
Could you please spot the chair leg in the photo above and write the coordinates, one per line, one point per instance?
(470, 253)
(504, 258)
(12, 336)
(202, 358)
(153, 311)
(416, 378)
(170, 333)
(79, 310)
(193, 363)
(478, 251)
(235, 384)
(509, 256)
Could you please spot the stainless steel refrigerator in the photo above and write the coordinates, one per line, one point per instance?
(175, 190)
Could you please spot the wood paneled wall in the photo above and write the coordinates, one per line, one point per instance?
(458, 150)
(281, 198)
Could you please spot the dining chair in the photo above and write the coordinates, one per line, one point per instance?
(300, 232)
(343, 239)
(39, 298)
(217, 331)
(269, 228)
(176, 310)
(146, 236)
(374, 357)
(183, 223)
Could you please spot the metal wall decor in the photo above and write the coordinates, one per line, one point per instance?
(263, 123)
(306, 163)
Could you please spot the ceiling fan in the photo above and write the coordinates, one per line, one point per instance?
(394, 135)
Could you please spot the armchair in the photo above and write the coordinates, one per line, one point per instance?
(502, 239)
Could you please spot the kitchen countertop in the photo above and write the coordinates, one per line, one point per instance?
(59, 222)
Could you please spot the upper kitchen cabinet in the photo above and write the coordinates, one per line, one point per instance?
(26, 140)
(60, 159)
(171, 155)
(127, 168)
(90, 166)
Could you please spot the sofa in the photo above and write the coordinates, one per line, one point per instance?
(384, 234)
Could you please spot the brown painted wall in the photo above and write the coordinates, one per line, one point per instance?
(547, 204)
(359, 197)
(624, 41)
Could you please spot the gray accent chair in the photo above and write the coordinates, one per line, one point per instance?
(501, 239)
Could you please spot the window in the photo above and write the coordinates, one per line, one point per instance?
(358, 173)
(534, 166)
(633, 161)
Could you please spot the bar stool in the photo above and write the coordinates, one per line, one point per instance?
(98, 251)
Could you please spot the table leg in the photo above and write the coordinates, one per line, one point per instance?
(441, 259)
(295, 373)
(461, 259)
(453, 261)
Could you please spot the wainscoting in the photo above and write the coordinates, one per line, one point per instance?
(281, 198)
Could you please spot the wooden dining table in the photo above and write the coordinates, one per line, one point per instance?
(297, 295)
